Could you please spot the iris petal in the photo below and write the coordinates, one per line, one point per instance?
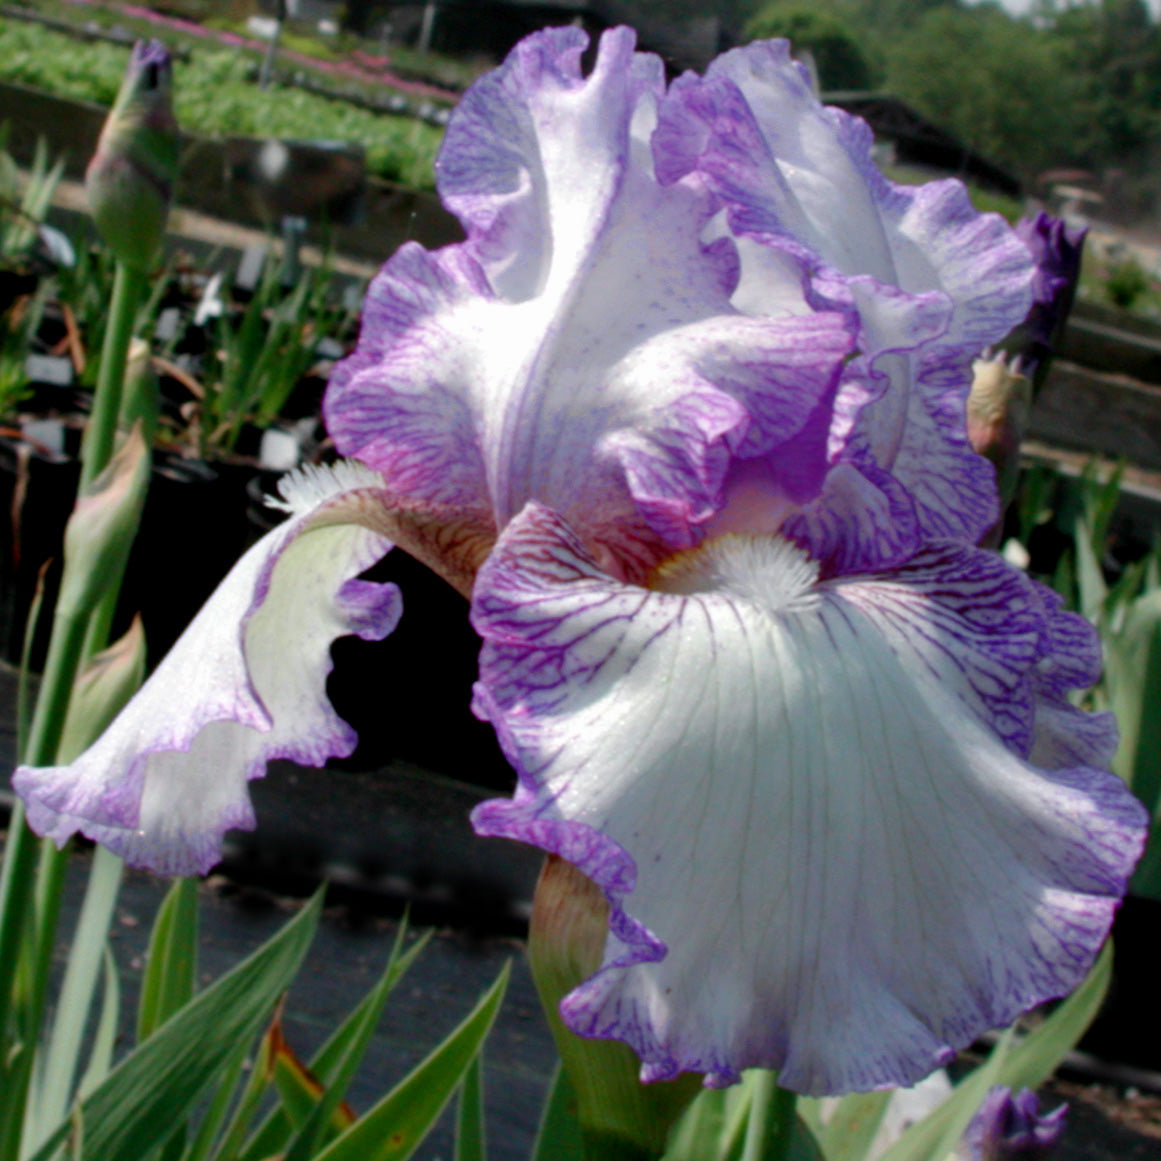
(821, 853)
(580, 348)
(930, 281)
(244, 685)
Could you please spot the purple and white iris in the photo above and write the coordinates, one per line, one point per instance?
(684, 415)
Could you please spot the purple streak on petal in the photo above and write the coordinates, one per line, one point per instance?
(371, 610)
(1069, 661)
(506, 145)
(964, 615)
(764, 402)
(863, 520)
(422, 442)
(676, 474)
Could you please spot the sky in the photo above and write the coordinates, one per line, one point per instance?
(1018, 7)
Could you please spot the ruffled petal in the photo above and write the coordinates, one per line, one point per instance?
(1069, 661)
(930, 281)
(244, 685)
(580, 348)
(819, 855)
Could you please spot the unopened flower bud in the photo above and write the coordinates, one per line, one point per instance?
(1057, 250)
(130, 178)
(997, 417)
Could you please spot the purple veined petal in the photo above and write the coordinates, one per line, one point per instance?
(580, 347)
(964, 618)
(863, 519)
(930, 281)
(244, 685)
(800, 175)
(1070, 660)
(818, 854)
(769, 412)
(533, 156)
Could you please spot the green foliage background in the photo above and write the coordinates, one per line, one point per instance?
(1070, 85)
(1077, 83)
(214, 97)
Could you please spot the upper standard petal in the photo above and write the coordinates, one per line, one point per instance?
(929, 281)
(587, 311)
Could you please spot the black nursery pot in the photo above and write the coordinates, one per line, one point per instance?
(37, 492)
(409, 696)
(192, 531)
(1128, 1028)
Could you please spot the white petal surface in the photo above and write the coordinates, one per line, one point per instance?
(820, 856)
(245, 684)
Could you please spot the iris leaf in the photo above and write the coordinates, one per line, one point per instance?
(134, 1111)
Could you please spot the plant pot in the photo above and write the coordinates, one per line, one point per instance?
(192, 531)
(37, 490)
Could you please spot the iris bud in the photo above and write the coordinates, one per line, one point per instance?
(130, 178)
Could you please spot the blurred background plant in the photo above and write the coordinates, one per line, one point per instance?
(215, 95)
(1125, 282)
(252, 352)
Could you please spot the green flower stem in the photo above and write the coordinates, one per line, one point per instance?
(20, 857)
(128, 287)
(138, 404)
(620, 1118)
(30, 900)
(770, 1130)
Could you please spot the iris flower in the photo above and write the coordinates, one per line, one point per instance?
(684, 416)
(1010, 1127)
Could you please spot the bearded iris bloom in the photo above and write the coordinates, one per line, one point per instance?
(684, 416)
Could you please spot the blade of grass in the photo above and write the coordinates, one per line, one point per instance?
(396, 1126)
(273, 1136)
(471, 1137)
(171, 966)
(55, 1091)
(160, 1083)
(311, 1135)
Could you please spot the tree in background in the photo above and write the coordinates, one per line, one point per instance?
(1114, 51)
(1071, 84)
(1000, 85)
(835, 47)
